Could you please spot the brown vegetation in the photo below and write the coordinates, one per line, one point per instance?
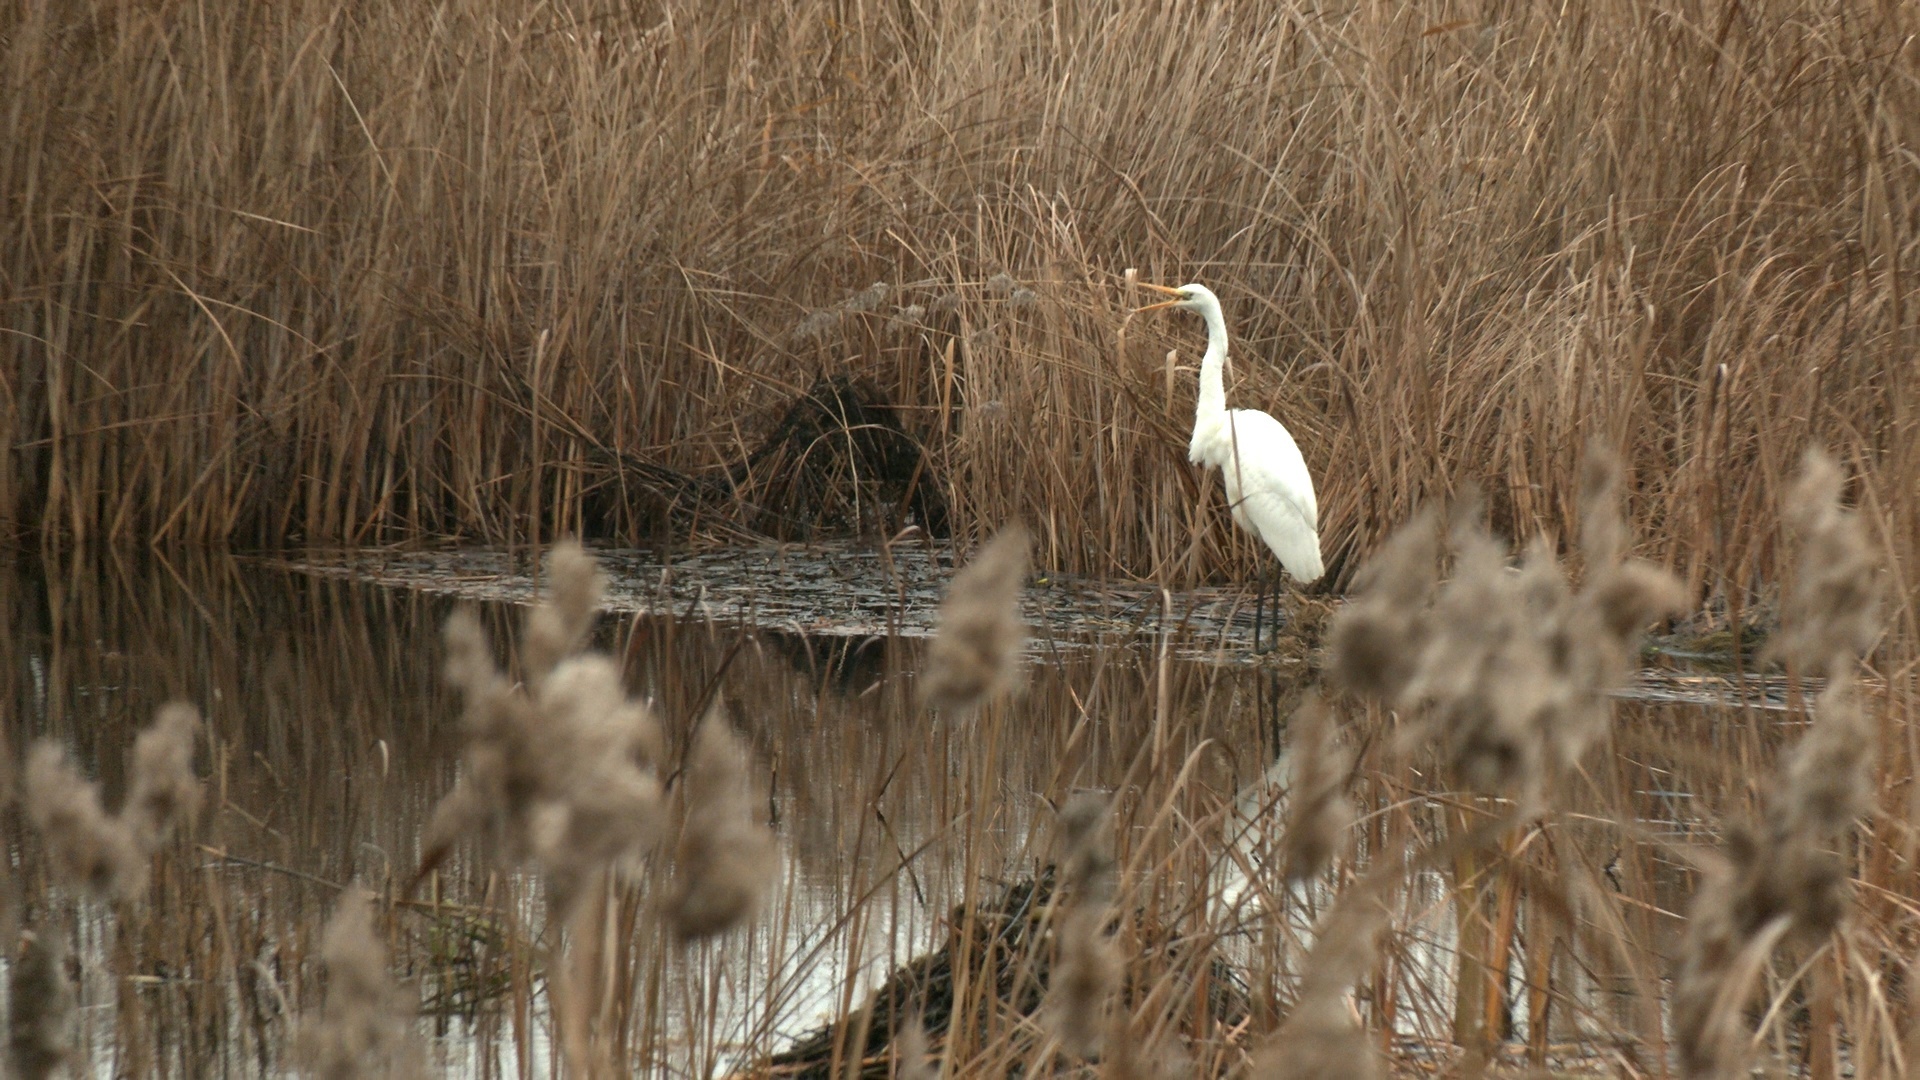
(346, 274)
(335, 274)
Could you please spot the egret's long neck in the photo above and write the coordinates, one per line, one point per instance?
(1213, 387)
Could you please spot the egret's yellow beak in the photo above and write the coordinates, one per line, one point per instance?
(1175, 293)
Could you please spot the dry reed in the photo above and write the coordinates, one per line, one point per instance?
(40, 1023)
(366, 1026)
(1786, 876)
(976, 649)
(109, 854)
(420, 305)
(725, 859)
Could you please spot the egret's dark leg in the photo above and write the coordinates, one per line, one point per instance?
(1267, 583)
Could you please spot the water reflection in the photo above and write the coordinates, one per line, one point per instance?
(330, 735)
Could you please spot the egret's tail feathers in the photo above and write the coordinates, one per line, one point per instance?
(1301, 557)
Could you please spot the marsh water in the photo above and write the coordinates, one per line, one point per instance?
(330, 734)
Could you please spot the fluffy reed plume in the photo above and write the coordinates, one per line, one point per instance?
(1322, 1035)
(912, 1060)
(562, 777)
(165, 790)
(1318, 809)
(87, 846)
(1786, 874)
(108, 854)
(1374, 644)
(724, 861)
(40, 1028)
(1831, 615)
(1506, 670)
(976, 651)
(365, 1029)
(1089, 967)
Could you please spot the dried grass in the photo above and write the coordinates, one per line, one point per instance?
(420, 305)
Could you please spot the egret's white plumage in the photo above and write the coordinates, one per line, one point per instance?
(1268, 487)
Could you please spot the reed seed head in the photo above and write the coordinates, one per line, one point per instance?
(86, 847)
(1320, 814)
(365, 1029)
(976, 649)
(560, 625)
(724, 862)
(40, 1024)
(565, 776)
(1375, 642)
(1505, 668)
(1831, 615)
(912, 1061)
(165, 790)
(1089, 967)
(1322, 1035)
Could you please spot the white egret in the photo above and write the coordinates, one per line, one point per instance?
(1268, 487)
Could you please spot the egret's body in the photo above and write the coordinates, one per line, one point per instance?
(1268, 487)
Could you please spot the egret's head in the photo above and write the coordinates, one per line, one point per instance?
(1189, 297)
